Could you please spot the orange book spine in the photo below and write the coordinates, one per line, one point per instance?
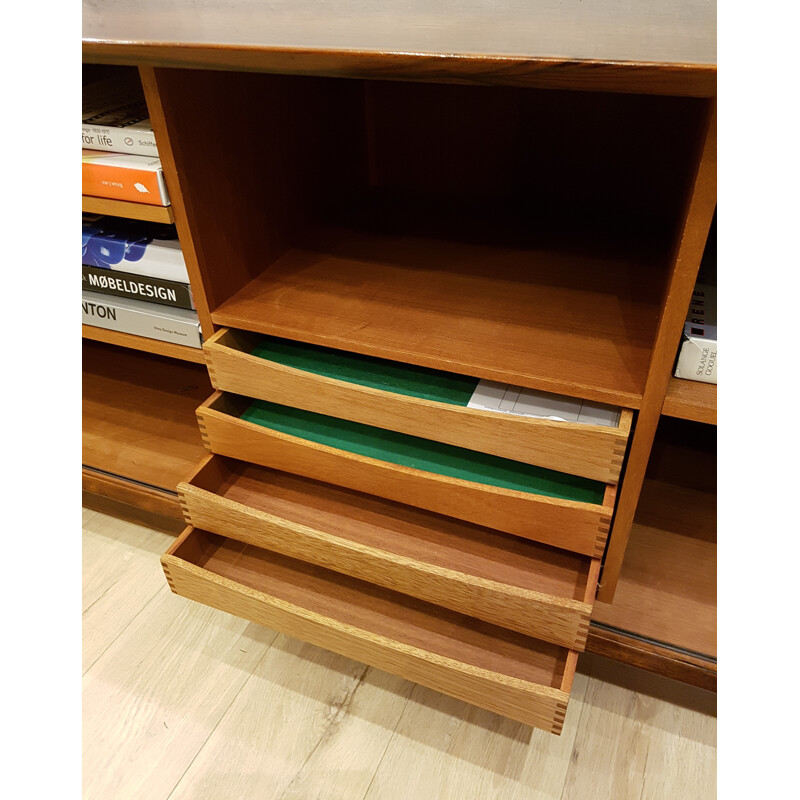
(117, 183)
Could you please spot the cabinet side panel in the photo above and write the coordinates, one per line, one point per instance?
(253, 156)
(688, 253)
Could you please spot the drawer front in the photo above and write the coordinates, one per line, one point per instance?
(577, 526)
(591, 451)
(514, 676)
(510, 582)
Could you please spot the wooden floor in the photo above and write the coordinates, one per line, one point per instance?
(182, 701)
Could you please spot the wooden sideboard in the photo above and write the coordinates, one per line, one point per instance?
(516, 194)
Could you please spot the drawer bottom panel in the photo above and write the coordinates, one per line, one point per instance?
(511, 674)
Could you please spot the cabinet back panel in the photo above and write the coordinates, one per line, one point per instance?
(261, 157)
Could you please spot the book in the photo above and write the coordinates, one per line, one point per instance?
(119, 176)
(153, 321)
(697, 356)
(115, 117)
(137, 287)
(151, 249)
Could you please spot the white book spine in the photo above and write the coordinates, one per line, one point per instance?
(136, 141)
(697, 360)
(697, 357)
(176, 325)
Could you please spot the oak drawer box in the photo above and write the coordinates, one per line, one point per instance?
(521, 678)
(541, 515)
(420, 402)
(511, 582)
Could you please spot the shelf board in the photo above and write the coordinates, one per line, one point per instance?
(124, 208)
(129, 340)
(667, 588)
(691, 400)
(120, 497)
(572, 316)
(637, 651)
(139, 418)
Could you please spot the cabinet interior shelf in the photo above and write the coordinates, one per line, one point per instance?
(564, 317)
(124, 208)
(139, 418)
(144, 344)
(667, 587)
(691, 400)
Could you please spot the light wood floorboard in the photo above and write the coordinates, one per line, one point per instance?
(118, 578)
(183, 702)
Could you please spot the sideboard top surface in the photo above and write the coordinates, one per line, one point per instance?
(458, 35)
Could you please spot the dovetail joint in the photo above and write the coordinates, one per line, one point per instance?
(185, 509)
(204, 435)
(581, 635)
(558, 718)
(212, 374)
(169, 579)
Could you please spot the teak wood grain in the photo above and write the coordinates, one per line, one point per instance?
(507, 581)
(580, 527)
(591, 451)
(138, 414)
(124, 498)
(417, 222)
(689, 246)
(667, 588)
(502, 671)
(193, 354)
(646, 654)
(190, 245)
(466, 309)
(691, 400)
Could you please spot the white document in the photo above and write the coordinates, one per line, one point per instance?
(507, 399)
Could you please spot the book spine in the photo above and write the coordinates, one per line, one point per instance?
(143, 321)
(137, 287)
(120, 140)
(697, 360)
(124, 183)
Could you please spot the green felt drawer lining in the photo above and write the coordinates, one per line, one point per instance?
(423, 454)
(377, 373)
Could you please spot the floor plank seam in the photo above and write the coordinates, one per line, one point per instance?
(574, 755)
(221, 717)
(122, 630)
(644, 770)
(386, 749)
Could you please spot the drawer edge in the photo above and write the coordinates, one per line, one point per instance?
(563, 621)
(590, 451)
(529, 703)
(577, 526)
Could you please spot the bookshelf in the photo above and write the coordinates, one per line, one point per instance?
(691, 400)
(416, 208)
(143, 343)
(140, 434)
(435, 304)
(667, 589)
(124, 208)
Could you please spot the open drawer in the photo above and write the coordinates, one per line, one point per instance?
(511, 582)
(414, 400)
(545, 510)
(502, 671)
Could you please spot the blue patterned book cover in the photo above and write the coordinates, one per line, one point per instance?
(151, 249)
